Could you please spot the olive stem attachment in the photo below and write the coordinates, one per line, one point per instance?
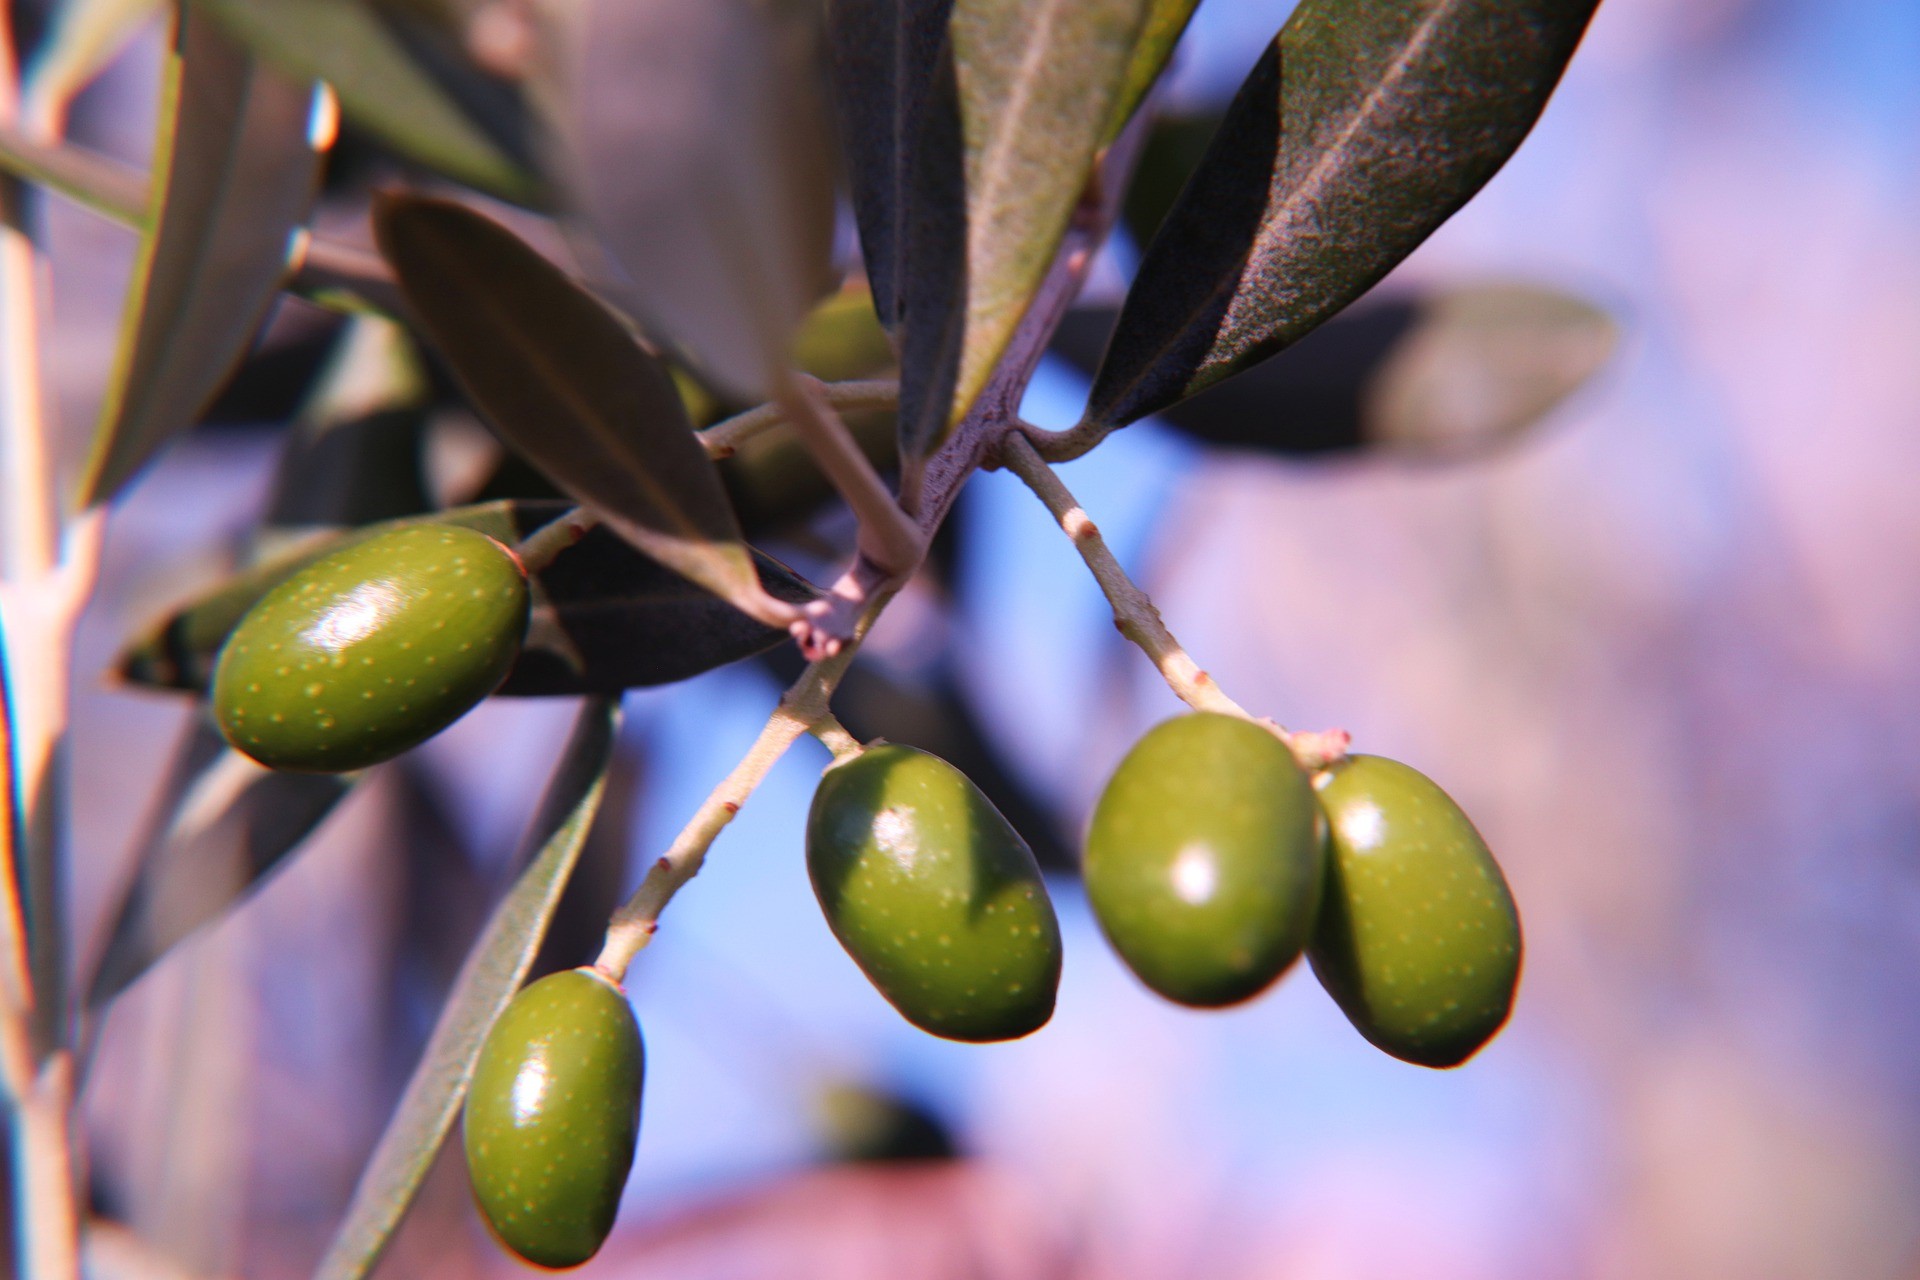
(538, 549)
(802, 710)
(1135, 614)
(834, 737)
(724, 437)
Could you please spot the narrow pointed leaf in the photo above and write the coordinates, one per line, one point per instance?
(238, 165)
(566, 385)
(1361, 129)
(885, 56)
(437, 111)
(1036, 83)
(225, 824)
(85, 36)
(1166, 22)
(704, 155)
(605, 617)
(493, 971)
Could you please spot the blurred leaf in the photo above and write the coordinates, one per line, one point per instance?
(1395, 115)
(566, 385)
(885, 55)
(487, 982)
(396, 81)
(86, 35)
(1036, 82)
(12, 804)
(703, 149)
(1166, 21)
(1482, 366)
(109, 188)
(225, 824)
(1440, 377)
(842, 339)
(605, 617)
(237, 168)
(1173, 149)
(354, 453)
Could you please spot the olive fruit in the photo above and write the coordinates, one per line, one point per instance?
(1418, 941)
(553, 1116)
(934, 895)
(1204, 859)
(371, 649)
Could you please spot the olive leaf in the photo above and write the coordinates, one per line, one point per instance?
(885, 56)
(223, 826)
(85, 36)
(398, 82)
(1034, 85)
(1361, 129)
(1437, 377)
(605, 617)
(113, 190)
(1166, 22)
(237, 169)
(488, 980)
(564, 382)
(704, 158)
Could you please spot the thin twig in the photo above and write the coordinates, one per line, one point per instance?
(1136, 615)
(888, 536)
(538, 549)
(723, 438)
(802, 709)
(834, 737)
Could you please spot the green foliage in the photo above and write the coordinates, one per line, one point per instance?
(1204, 860)
(934, 895)
(237, 168)
(1361, 129)
(372, 649)
(553, 1114)
(1418, 940)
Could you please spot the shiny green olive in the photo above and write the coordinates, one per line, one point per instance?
(553, 1116)
(372, 649)
(1418, 941)
(934, 895)
(1204, 859)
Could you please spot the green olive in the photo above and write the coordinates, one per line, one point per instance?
(934, 895)
(1204, 859)
(1418, 941)
(372, 649)
(553, 1116)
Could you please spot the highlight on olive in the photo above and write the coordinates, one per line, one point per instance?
(372, 649)
(1204, 859)
(553, 1115)
(934, 895)
(1418, 940)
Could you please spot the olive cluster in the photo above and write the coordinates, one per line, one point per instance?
(1213, 861)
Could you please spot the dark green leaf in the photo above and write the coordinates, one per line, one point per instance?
(605, 617)
(1395, 113)
(238, 166)
(705, 158)
(564, 383)
(1442, 377)
(1035, 84)
(492, 974)
(396, 82)
(225, 824)
(886, 54)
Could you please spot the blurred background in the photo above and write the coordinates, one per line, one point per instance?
(1664, 647)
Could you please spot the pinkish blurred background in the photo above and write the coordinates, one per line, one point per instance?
(1666, 651)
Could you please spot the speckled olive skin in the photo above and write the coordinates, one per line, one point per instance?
(371, 650)
(934, 895)
(1204, 859)
(553, 1116)
(1418, 941)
